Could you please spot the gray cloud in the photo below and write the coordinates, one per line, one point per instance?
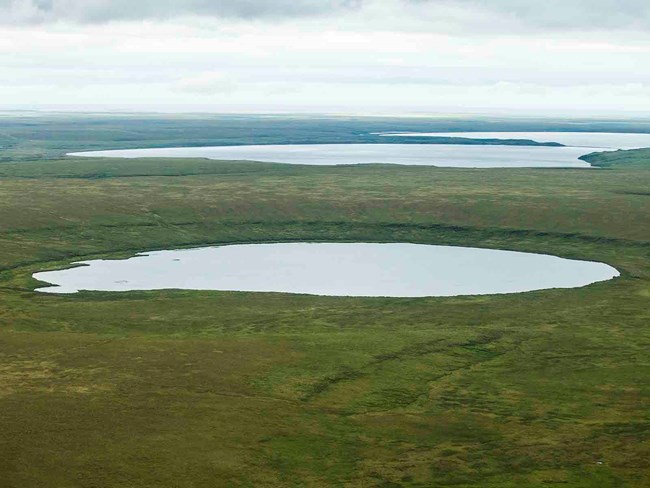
(440, 15)
(563, 14)
(97, 11)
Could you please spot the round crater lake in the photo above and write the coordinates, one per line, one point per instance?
(332, 269)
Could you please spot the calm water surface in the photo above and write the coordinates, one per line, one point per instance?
(335, 269)
(589, 140)
(447, 155)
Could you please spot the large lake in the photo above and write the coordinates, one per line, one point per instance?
(589, 140)
(334, 269)
(444, 155)
(447, 155)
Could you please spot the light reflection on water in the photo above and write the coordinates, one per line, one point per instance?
(335, 269)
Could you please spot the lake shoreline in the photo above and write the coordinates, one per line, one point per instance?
(331, 269)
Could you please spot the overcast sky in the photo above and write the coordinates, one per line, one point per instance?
(358, 56)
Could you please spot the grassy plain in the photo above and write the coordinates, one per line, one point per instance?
(205, 389)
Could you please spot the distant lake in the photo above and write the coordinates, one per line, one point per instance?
(333, 269)
(589, 140)
(444, 155)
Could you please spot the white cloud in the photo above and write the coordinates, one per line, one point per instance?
(207, 83)
(423, 54)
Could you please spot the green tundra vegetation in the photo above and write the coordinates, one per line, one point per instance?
(207, 389)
